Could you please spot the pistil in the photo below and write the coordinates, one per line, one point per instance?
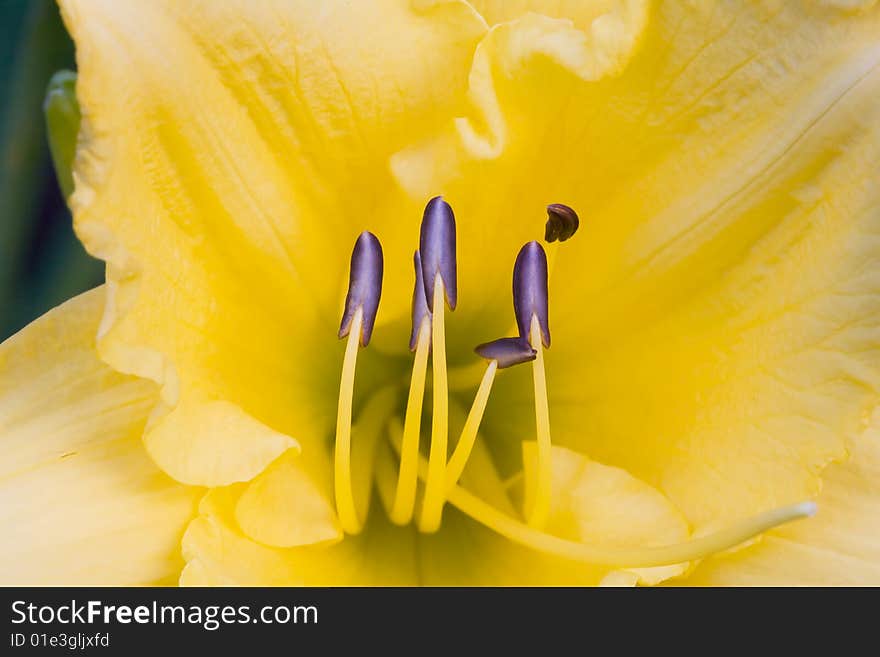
(614, 556)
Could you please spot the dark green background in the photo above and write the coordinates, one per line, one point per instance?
(41, 262)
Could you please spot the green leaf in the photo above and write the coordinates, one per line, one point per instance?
(34, 45)
(62, 125)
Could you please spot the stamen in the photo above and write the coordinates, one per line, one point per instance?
(437, 248)
(540, 504)
(530, 304)
(432, 507)
(366, 432)
(462, 452)
(364, 285)
(361, 305)
(501, 353)
(420, 310)
(562, 222)
(530, 291)
(345, 507)
(615, 557)
(507, 351)
(405, 493)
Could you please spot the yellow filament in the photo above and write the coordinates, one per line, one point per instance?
(432, 507)
(366, 432)
(617, 557)
(540, 503)
(345, 507)
(459, 458)
(405, 495)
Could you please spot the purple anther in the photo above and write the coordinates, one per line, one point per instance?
(437, 247)
(530, 290)
(562, 222)
(551, 230)
(420, 308)
(507, 351)
(364, 285)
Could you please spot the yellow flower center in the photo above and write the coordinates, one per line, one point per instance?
(397, 445)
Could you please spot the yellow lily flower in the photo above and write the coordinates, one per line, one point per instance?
(715, 354)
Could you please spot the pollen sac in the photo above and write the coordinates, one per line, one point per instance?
(437, 248)
(507, 351)
(530, 290)
(364, 285)
(420, 308)
(562, 222)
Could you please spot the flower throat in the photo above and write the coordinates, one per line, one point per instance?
(435, 289)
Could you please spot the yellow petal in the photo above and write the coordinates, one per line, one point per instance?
(582, 13)
(213, 444)
(217, 552)
(502, 162)
(600, 504)
(81, 501)
(285, 506)
(226, 209)
(746, 305)
(591, 502)
(840, 547)
(715, 319)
